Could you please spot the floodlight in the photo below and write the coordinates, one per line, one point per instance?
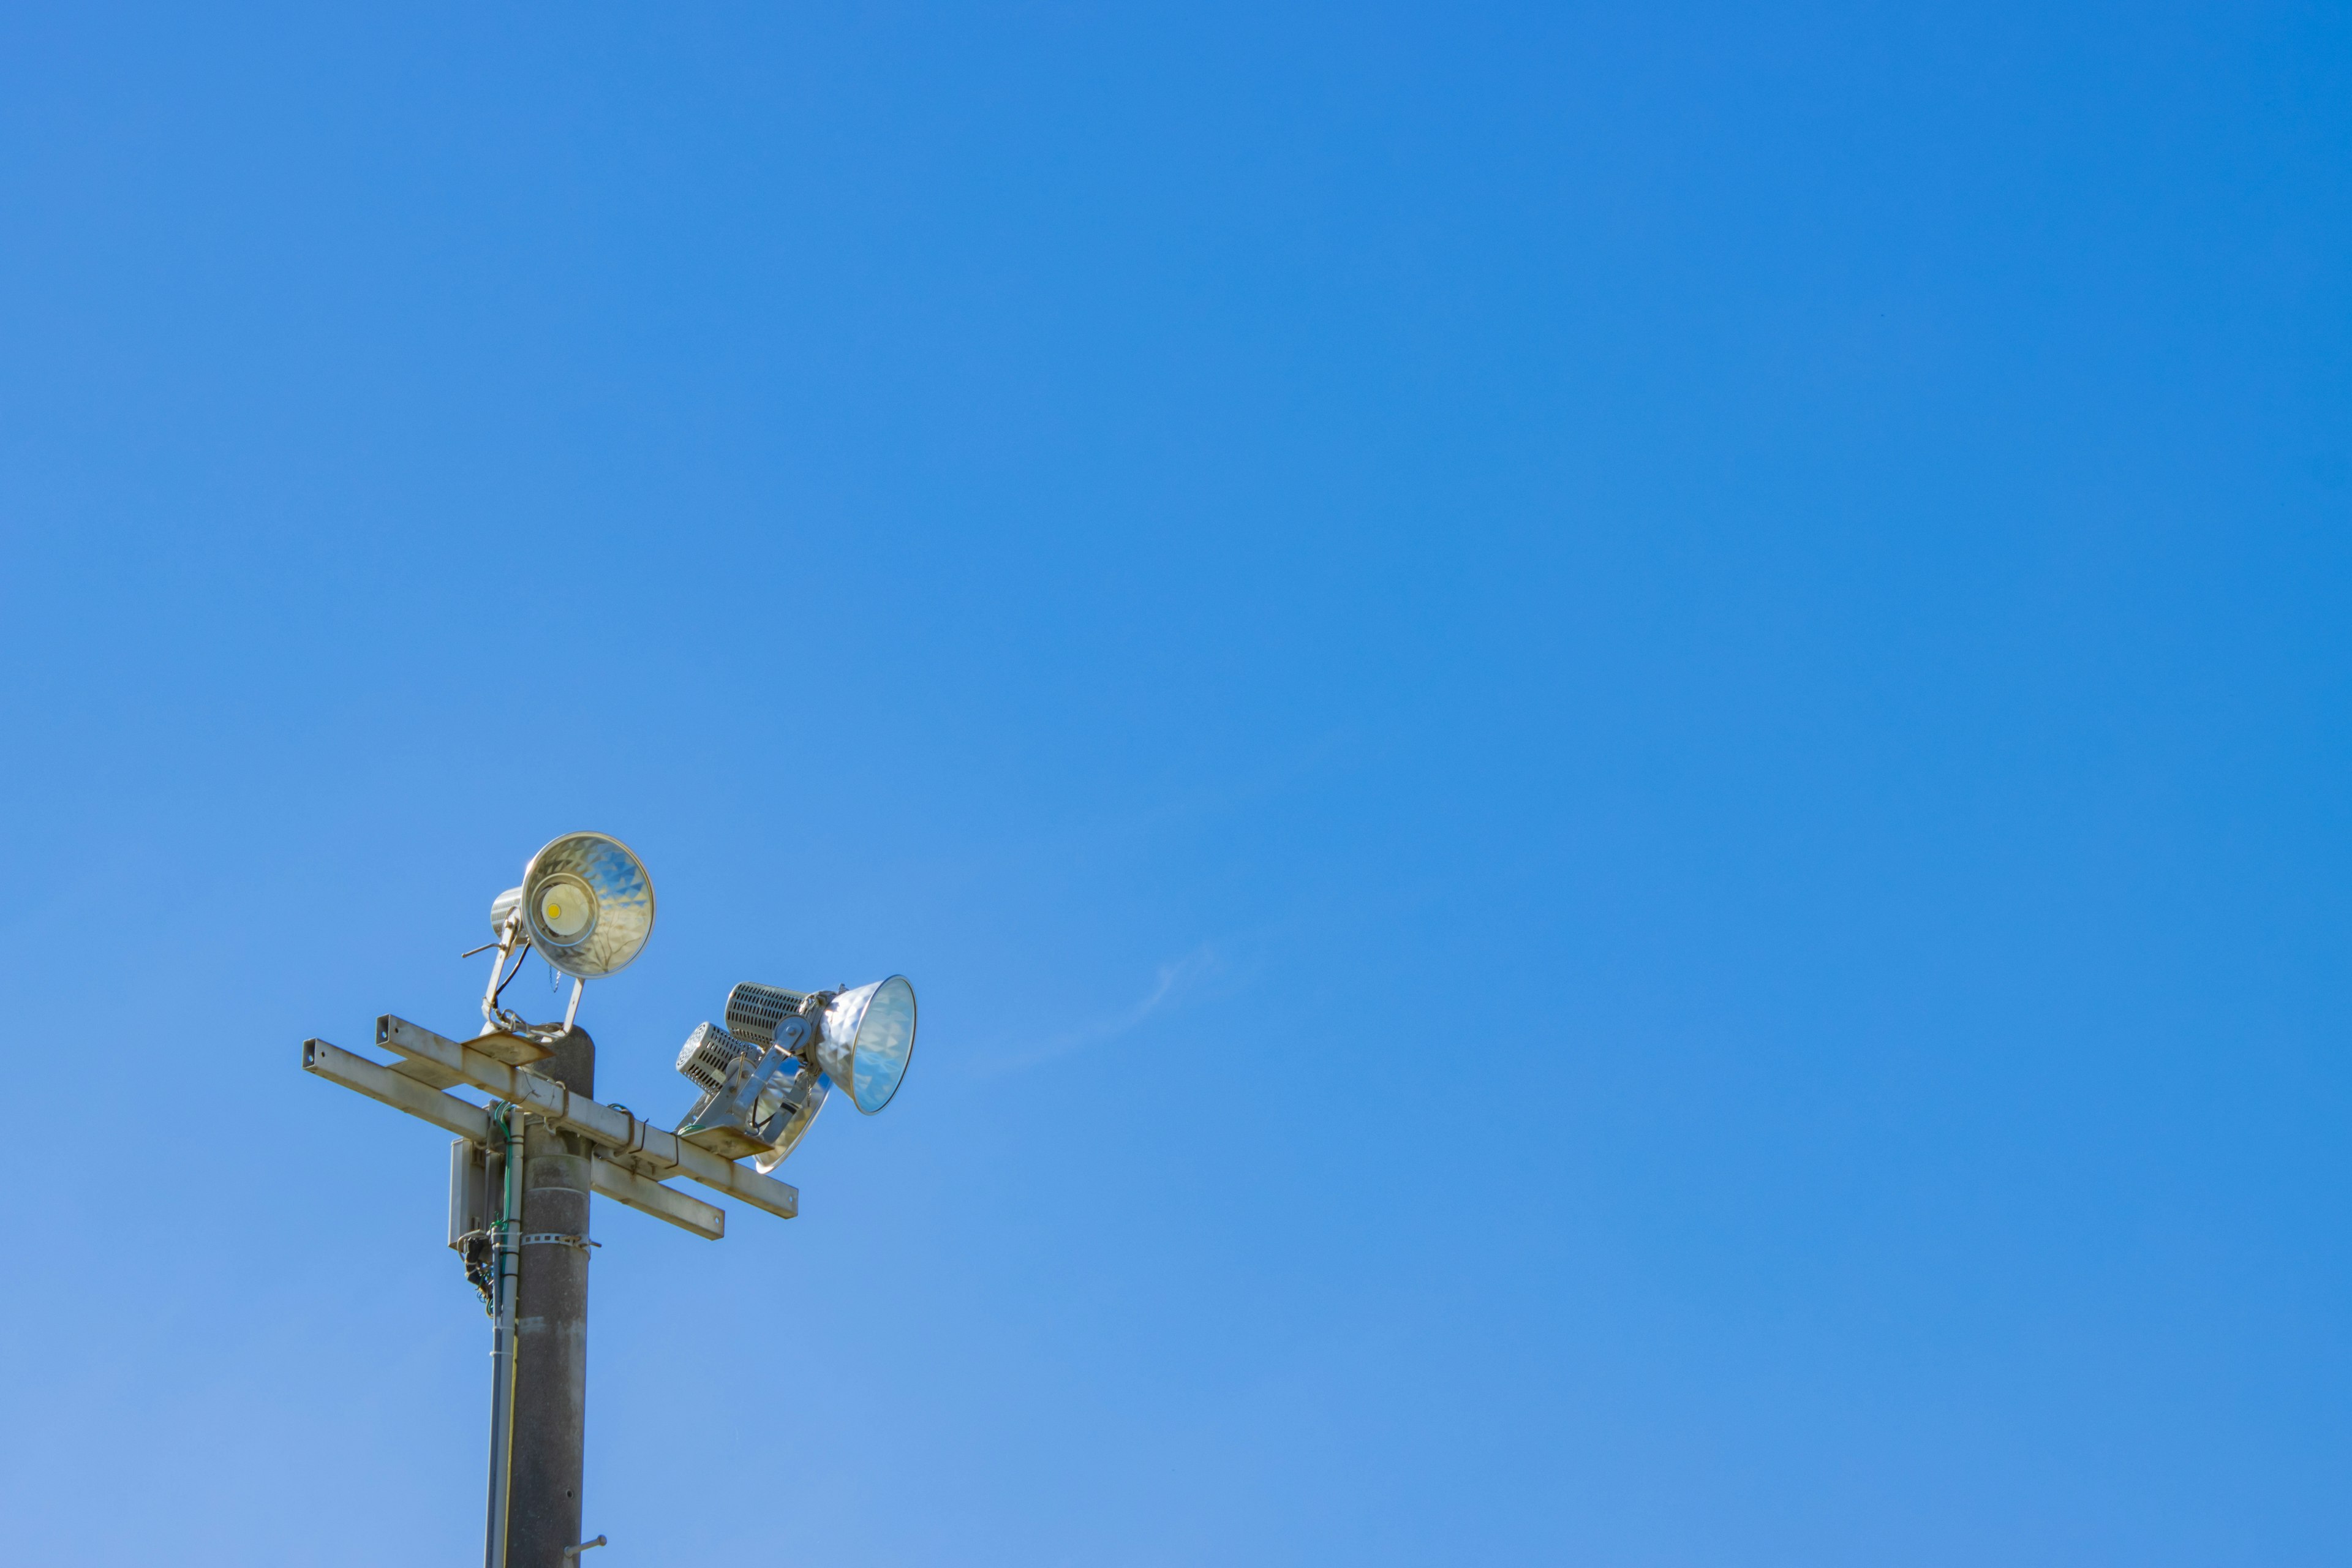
(864, 1038)
(785, 1133)
(587, 904)
(766, 1073)
(758, 1097)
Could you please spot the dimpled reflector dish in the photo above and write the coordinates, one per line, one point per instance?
(868, 1036)
(621, 904)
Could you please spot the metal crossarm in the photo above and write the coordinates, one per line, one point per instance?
(652, 1152)
(631, 1156)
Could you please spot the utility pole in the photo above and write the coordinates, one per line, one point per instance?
(551, 1386)
(524, 1166)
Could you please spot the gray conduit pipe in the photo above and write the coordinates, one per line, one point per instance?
(503, 1344)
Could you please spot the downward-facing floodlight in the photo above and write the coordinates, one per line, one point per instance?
(758, 1096)
(586, 903)
(765, 1075)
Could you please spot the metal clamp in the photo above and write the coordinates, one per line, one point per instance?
(556, 1238)
(637, 1139)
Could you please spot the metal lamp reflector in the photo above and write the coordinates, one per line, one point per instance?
(865, 1039)
(587, 904)
(788, 1136)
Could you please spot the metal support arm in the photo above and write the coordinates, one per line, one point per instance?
(469, 1121)
(652, 1151)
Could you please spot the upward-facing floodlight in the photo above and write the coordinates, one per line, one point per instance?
(586, 904)
(766, 1074)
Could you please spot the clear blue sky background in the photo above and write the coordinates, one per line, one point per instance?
(1611, 741)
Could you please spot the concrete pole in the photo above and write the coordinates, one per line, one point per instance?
(550, 1395)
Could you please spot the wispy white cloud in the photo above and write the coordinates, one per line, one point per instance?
(1175, 979)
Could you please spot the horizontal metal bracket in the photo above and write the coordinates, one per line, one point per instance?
(648, 1150)
(616, 1181)
(472, 1122)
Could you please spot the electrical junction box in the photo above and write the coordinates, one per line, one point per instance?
(477, 1188)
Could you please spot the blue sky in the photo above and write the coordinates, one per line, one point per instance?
(1609, 742)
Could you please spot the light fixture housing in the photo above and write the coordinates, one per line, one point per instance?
(758, 1097)
(865, 1039)
(587, 904)
(766, 1073)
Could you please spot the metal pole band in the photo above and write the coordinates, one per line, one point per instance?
(556, 1238)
